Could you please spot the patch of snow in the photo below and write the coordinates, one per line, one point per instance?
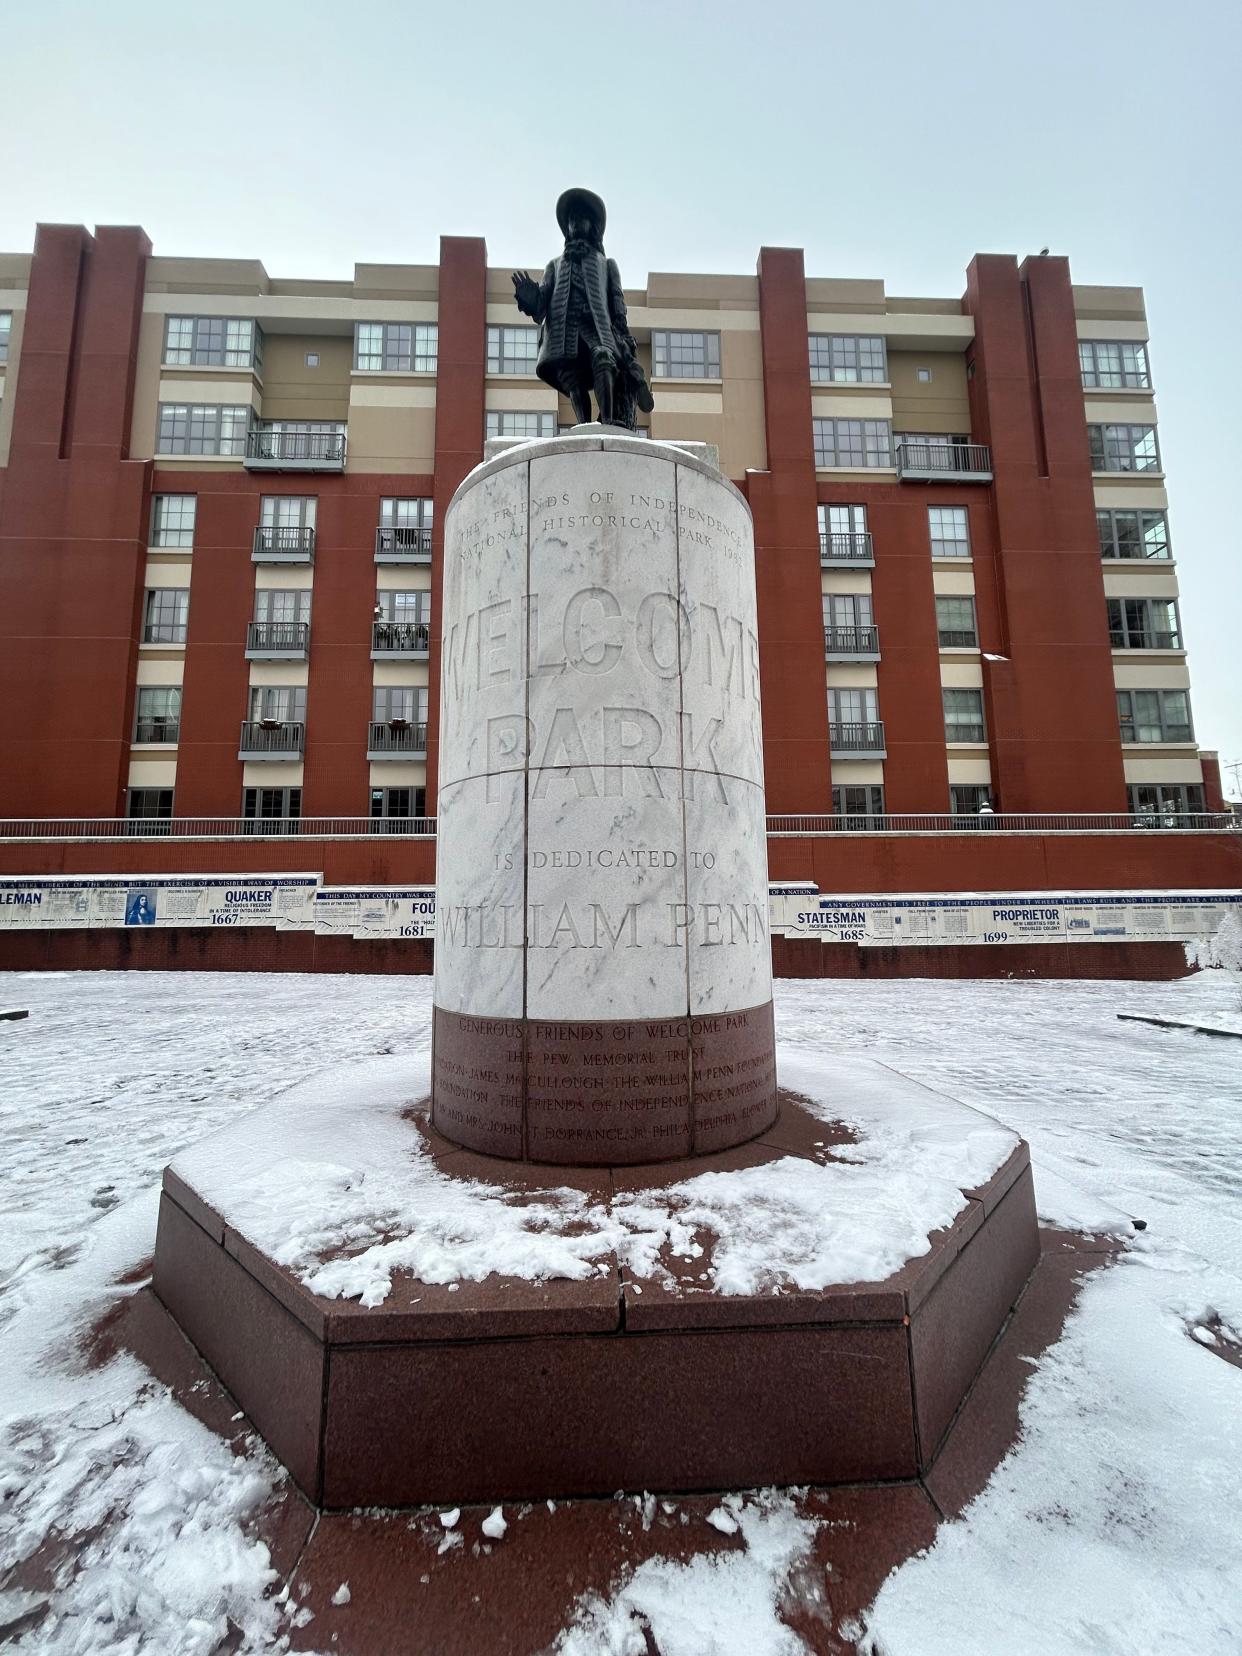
(342, 1594)
(494, 1525)
(451, 1518)
(716, 1604)
(722, 1519)
(1112, 1528)
(361, 1181)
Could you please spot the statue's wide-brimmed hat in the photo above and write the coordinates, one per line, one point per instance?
(586, 199)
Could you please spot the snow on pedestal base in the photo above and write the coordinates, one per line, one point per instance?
(810, 1308)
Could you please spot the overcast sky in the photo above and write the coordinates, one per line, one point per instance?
(889, 141)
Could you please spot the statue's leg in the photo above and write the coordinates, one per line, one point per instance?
(576, 387)
(604, 370)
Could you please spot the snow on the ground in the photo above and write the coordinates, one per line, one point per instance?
(1112, 1526)
(333, 1182)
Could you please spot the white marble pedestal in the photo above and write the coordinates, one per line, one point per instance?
(603, 988)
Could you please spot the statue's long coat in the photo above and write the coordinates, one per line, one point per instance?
(602, 283)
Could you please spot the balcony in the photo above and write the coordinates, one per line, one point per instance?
(856, 740)
(283, 545)
(277, 640)
(400, 640)
(851, 643)
(404, 546)
(943, 462)
(396, 739)
(294, 451)
(854, 550)
(271, 739)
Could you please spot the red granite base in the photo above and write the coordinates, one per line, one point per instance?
(603, 1092)
(508, 1389)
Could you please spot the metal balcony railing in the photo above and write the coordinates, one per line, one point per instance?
(1148, 640)
(853, 549)
(51, 829)
(395, 739)
(294, 450)
(157, 730)
(408, 639)
(283, 544)
(854, 737)
(398, 545)
(277, 640)
(943, 462)
(851, 642)
(271, 739)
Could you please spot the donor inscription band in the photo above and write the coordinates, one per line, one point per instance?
(603, 988)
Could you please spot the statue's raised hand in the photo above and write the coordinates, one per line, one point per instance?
(525, 292)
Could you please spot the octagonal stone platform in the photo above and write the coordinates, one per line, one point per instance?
(508, 1389)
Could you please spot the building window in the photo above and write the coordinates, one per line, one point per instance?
(1123, 448)
(404, 703)
(965, 798)
(172, 520)
(1144, 624)
(853, 707)
(1133, 534)
(512, 350)
(287, 511)
(414, 512)
(1165, 799)
(279, 808)
(963, 715)
(847, 359)
(278, 704)
(395, 807)
(403, 608)
(149, 804)
(6, 332)
(202, 428)
(212, 342)
(164, 615)
(955, 622)
(680, 355)
(283, 607)
(158, 713)
(396, 347)
(312, 359)
(1154, 715)
(1114, 364)
(864, 803)
(506, 422)
(854, 443)
(949, 529)
(849, 624)
(923, 375)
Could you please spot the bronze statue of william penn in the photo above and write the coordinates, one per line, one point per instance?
(585, 343)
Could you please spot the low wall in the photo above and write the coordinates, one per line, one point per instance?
(261, 949)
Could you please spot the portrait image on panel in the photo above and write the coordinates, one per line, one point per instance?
(140, 907)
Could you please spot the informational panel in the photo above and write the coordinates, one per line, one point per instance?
(301, 902)
(887, 921)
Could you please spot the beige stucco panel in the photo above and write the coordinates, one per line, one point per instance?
(1157, 582)
(857, 773)
(846, 580)
(294, 391)
(393, 578)
(167, 572)
(961, 675)
(162, 669)
(392, 439)
(970, 770)
(1156, 675)
(392, 391)
(398, 773)
(152, 773)
(942, 404)
(292, 673)
(399, 674)
(844, 675)
(867, 403)
(274, 773)
(143, 420)
(699, 403)
(284, 578)
(1137, 492)
(1108, 410)
(525, 398)
(1169, 767)
(954, 583)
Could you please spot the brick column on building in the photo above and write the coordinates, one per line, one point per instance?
(72, 547)
(797, 764)
(1213, 791)
(460, 370)
(1050, 705)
